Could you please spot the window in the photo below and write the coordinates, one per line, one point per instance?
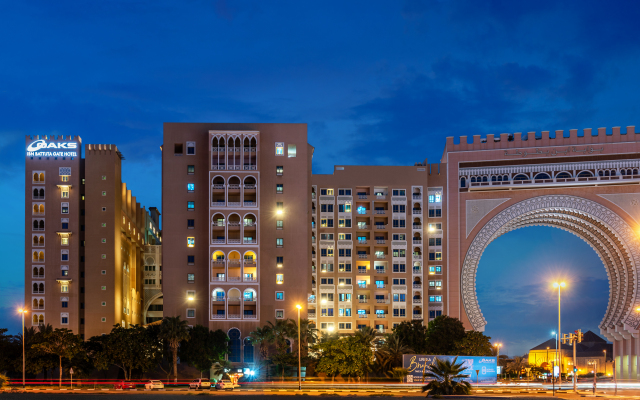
(177, 149)
(279, 148)
(399, 297)
(191, 313)
(279, 187)
(103, 256)
(103, 288)
(191, 169)
(279, 170)
(191, 278)
(65, 255)
(327, 281)
(104, 272)
(291, 150)
(279, 224)
(65, 208)
(279, 260)
(435, 298)
(191, 187)
(279, 314)
(64, 319)
(344, 281)
(65, 304)
(191, 205)
(344, 267)
(103, 319)
(64, 288)
(279, 278)
(191, 149)
(104, 208)
(399, 281)
(280, 296)
(191, 241)
(191, 223)
(433, 227)
(279, 207)
(64, 193)
(399, 268)
(190, 260)
(399, 192)
(279, 242)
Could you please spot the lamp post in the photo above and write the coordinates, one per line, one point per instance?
(299, 367)
(559, 285)
(498, 345)
(605, 362)
(23, 311)
(556, 358)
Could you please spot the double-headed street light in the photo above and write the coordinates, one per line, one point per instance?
(559, 285)
(23, 311)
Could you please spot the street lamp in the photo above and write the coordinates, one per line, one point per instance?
(299, 307)
(552, 371)
(498, 345)
(23, 311)
(605, 362)
(559, 285)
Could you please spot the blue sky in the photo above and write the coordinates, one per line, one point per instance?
(377, 82)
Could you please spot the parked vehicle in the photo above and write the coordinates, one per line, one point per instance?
(222, 385)
(200, 384)
(124, 385)
(153, 384)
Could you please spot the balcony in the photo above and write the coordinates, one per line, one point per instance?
(417, 271)
(381, 196)
(363, 301)
(251, 223)
(362, 271)
(417, 285)
(363, 212)
(381, 241)
(381, 256)
(362, 241)
(383, 301)
(381, 226)
(234, 223)
(234, 279)
(250, 204)
(234, 241)
(363, 256)
(380, 212)
(37, 291)
(363, 197)
(217, 298)
(417, 197)
(417, 211)
(217, 279)
(250, 241)
(249, 187)
(219, 262)
(363, 227)
(37, 307)
(250, 316)
(417, 256)
(235, 298)
(234, 187)
(381, 285)
(417, 301)
(235, 316)
(362, 285)
(311, 301)
(363, 315)
(417, 316)
(249, 261)
(381, 315)
(381, 270)
(417, 226)
(417, 241)
(217, 241)
(250, 279)
(218, 316)
(233, 204)
(218, 186)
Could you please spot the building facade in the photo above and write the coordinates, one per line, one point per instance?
(84, 235)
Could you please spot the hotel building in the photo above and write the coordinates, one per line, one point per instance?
(84, 237)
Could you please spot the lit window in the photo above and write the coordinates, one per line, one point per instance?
(191, 278)
(191, 313)
(279, 148)
(64, 288)
(65, 178)
(330, 192)
(191, 205)
(279, 295)
(279, 170)
(291, 150)
(279, 314)
(103, 256)
(347, 207)
(191, 241)
(279, 187)
(64, 192)
(279, 278)
(191, 169)
(279, 242)
(65, 208)
(279, 224)
(64, 241)
(191, 187)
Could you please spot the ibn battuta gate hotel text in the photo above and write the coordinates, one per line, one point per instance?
(248, 232)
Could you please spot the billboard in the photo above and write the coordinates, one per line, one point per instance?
(486, 367)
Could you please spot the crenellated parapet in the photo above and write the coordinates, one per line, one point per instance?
(533, 139)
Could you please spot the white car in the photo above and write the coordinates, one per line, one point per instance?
(153, 384)
(222, 385)
(200, 384)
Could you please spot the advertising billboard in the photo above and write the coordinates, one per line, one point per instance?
(485, 367)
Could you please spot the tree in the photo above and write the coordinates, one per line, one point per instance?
(174, 330)
(446, 378)
(412, 334)
(517, 366)
(204, 347)
(129, 349)
(398, 373)
(442, 335)
(474, 343)
(261, 337)
(346, 356)
(279, 333)
(61, 343)
(391, 352)
(10, 350)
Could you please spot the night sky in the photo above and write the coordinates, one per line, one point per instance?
(376, 82)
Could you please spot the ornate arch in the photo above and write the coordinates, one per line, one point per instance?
(606, 232)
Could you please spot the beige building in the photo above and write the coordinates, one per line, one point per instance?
(85, 237)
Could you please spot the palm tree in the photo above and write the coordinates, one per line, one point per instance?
(367, 335)
(174, 330)
(446, 378)
(280, 332)
(219, 368)
(391, 352)
(261, 337)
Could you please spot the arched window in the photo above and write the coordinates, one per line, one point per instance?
(623, 172)
(41, 176)
(473, 179)
(41, 224)
(499, 178)
(35, 319)
(35, 240)
(542, 176)
(493, 178)
(505, 178)
(248, 351)
(520, 177)
(41, 319)
(41, 303)
(35, 208)
(635, 172)
(35, 177)
(484, 179)
(35, 256)
(235, 348)
(35, 304)
(600, 173)
(42, 193)
(564, 175)
(35, 271)
(35, 288)
(463, 182)
(41, 256)
(41, 287)
(41, 271)
(35, 193)
(606, 173)
(587, 174)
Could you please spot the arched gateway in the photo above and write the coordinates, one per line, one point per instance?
(588, 185)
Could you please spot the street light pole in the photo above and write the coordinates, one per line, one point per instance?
(498, 358)
(299, 365)
(605, 363)
(559, 285)
(23, 311)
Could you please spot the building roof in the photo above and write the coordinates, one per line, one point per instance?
(551, 344)
(592, 345)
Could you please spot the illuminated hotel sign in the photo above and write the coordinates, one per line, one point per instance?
(40, 148)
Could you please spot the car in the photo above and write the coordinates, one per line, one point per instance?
(222, 385)
(154, 384)
(200, 384)
(124, 385)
